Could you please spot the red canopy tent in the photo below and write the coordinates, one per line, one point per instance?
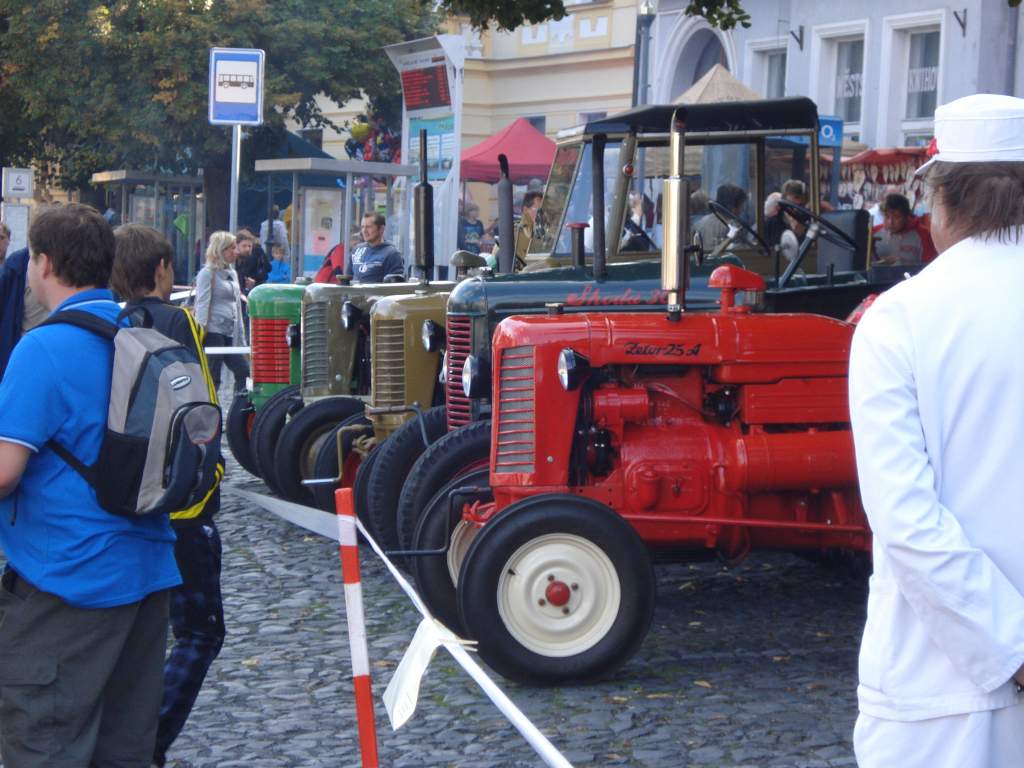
(529, 154)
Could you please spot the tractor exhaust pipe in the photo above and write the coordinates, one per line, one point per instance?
(597, 181)
(675, 256)
(576, 232)
(506, 230)
(423, 214)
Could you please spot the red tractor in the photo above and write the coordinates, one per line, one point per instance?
(617, 435)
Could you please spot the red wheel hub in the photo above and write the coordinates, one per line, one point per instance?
(557, 593)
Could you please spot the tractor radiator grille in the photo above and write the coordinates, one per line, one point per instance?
(388, 346)
(514, 412)
(271, 358)
(315, 359)
(459, 333)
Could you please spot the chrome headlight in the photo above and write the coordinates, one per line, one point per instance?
(293, 336)
(475, 378)
(432, 336)
(350, 315)
(571, 368)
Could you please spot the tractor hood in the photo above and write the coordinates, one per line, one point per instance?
(629, 286)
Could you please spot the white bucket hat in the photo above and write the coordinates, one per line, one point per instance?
(981, 128)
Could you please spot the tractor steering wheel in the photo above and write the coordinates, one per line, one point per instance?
(828, 230)
(825, 229)
(730, 219)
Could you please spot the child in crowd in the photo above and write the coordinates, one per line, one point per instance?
(280, 271)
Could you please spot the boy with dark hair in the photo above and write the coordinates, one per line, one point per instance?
(84, 596)
(902, 239)
(144, 275)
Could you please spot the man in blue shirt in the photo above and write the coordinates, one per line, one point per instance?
(374, 258)
(84, 594)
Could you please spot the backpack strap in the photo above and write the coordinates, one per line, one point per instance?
(89, 322)
(84, 320)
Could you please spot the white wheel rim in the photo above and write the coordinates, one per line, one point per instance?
(558, 629)
(458, 545)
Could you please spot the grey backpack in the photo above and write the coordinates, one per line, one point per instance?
(162, 442)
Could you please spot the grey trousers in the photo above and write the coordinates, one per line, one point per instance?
(78, 687)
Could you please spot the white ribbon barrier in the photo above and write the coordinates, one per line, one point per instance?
(403, 691)
(226, 350)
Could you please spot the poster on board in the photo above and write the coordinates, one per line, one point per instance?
(321, 226)
(440, 144)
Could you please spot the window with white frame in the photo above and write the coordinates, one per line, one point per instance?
(839, 72)
(775, 74)
(923, 75)
(849, 82)
(911, 52)
(766, 66)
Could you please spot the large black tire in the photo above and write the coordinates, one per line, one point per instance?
(326, 464)
(238, 428)
(556, 589)
(267, 427)
(441, 524)
(396, 455)
(465, 449)
(359, 491)
(300, 441)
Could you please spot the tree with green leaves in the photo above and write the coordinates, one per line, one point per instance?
(89, 85)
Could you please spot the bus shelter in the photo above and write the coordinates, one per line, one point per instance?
(329, 198)
(173, 205)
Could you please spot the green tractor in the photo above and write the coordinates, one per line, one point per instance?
(274, 315)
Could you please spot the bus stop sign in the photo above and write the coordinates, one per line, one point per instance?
(236, 86)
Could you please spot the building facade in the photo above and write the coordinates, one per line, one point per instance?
(881, 65)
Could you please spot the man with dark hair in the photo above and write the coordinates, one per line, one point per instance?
(84, 596)
(374, 258)
(902, 239)
(144, 275)
(935, 383)
(253, 265)
(711, 229)
(528, 225)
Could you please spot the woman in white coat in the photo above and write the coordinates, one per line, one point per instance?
(219, 306)
(936, 383)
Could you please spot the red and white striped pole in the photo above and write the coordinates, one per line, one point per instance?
(349, 551)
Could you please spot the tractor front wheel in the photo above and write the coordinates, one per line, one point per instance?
(266, 429)
(238, 428)
(441, 525)
(300, 440)
(463, 450)
(326, 464)
(396, 455)
(557, 588)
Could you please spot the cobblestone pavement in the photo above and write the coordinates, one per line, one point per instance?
(753, 666)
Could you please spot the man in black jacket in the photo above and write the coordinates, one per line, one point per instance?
(143, 274)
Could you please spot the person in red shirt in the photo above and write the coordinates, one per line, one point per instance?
(902, 239)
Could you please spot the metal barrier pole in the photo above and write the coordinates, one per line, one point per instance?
(349, 552)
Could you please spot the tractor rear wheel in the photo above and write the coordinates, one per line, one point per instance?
(556, 588)
(441, 525)
(464, 450)
(396, 455)
(300, 441)
(267, 428)
(238, 428)
(326, 464)
(359, 491)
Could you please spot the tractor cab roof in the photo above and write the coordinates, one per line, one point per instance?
(768, 115)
